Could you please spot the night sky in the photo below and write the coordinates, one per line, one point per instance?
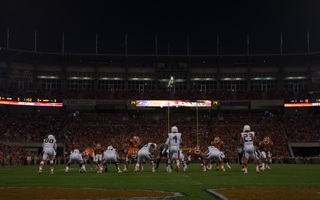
(172, 21)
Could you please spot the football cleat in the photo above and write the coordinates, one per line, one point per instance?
(245, 170)
(51, 172)
(40, 172)
(217, 168)
(66, 171)
(185, 168)
(119, 171)
(136, 169)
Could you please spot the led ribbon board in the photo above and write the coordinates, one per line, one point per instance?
(301, 104)
(24, 103)
(173, 103)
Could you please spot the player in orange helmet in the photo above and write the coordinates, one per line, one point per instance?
(88, 155)
(266, 147)
(134, 145)
(194, 154)
(218, 143)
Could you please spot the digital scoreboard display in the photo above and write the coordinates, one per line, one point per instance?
(30, 102)
(172, 103)
(302, 103)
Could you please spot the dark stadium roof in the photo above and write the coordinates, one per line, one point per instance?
(161, 27)
(112, 59)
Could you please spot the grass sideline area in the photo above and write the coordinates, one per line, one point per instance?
(192, 183)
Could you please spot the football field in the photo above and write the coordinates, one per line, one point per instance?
(193, 183)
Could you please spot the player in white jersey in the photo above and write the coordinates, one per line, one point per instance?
(147, 152)
(76, 157)
(49, 147)
(247, 138)
(215, 154)
(111, 155)
(174, 140)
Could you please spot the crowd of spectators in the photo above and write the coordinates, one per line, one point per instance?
(303, 128)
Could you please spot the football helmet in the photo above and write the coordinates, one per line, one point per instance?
(266, 140)
(174, 129)
(50, 137)
(197, 150)
(110, 147)
(216, 140)
(98, 146)
(136, 138)
(76, 151)
(246, 128)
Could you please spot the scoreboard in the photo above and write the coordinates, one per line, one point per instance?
(174, 103)
(28, 101)
(302, 103)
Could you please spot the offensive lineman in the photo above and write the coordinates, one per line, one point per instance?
(214, 153)
(147, 152)
(218, 143)
(111, 155)
(247, 138)
(76, 157)
(49, 147)
(174, 140)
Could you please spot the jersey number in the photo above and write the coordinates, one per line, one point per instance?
(248, 137)
(175, 139)
(48, 141)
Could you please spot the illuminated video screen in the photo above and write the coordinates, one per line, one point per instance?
(173, 103)
(24, 103)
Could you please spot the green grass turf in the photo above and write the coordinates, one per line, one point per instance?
(192, 182)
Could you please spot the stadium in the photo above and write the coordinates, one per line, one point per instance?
(102, 99)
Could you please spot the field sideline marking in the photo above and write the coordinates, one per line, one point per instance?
(216, 195)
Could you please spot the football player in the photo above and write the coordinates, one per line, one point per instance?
(173, 141)
(134, 145)
(146, 153)
(49, 147)
(194, 154)
(215, 154)
(218, 143)
(162, 152)
(247, 138)
(88, 155)
(266, 147)
(111, 155)
(98, 151)
(76, 157)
